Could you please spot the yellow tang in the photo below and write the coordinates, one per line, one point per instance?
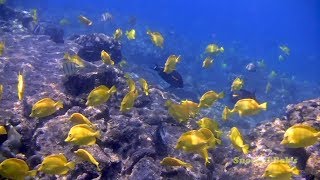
(261, 64)
(56, 164)
(16, 169)
(85, 20)
(156, 38)
(123, 63)
(131, 34)
(285, 49)
(64, 22)
(144, 85)
(3, 130)
(280, 170)
(106, 59)
(45, 107)
(245, 107)
(128, 101)
(1, 91)
(190, 107)
(2, 46)
(208, 98)
(213, 49)
(170, 64)
(299, 135)
(207, 62)
(82, 134)
(35, 15)
(171, 161)
(75, 59)
(212, 125)
(177, 111)
(117, 34)
(85, 155)
(237, 140)
(80, 119)
(237, 84)
(100, 95)
(272, 75)
(20, 86)
(130, 82)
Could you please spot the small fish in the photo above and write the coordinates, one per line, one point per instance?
(251, 67)
(85, 20)
(85, 155)
(280, 170)
(130, 82)
(1, 91)
(144, 86)
(171, 161)
(79, 118)
(117, 34)
(272, 75)
(3, 130)
(17, 169)
(34, 15)
(207, 63)
(174, 78)
(131, 34)
(100, 95)
(177, 111)
(281, 58)
(212, 125)
(106, 17)
(64, 22)
(268, 87)
(2, 46)
(123, 63)
(208, 98)
(82, 134)
(70, 68)
(56, 164)
(156, 38)
(237, 84)
(299, 136)
(128, 101)
(20, 86)
(106, 59)
(261, 64)
(285, 49)
(214, 49)
(45, 107)
(75, 59)
(170, 64)
(237, 140)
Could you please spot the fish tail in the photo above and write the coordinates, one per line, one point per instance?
(112, 90)
(59, 105)
(218, 141)
(221, 95)
(66, 56)
(222, 49)
(226, 113)
(263, 106)
(295, 171)
(97, 135)
(32, 173)
(318, 135)
(245, 149)
(98, 168)
(188, 165)
(71, 165)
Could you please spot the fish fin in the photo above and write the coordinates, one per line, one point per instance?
(32, 173)
(226, 113)
(318, 135)
(71, 165)
(245, 149)
(263, 106)
(59, 104)
(97, 134)
(221, 95)
(295, 171)
(240, 113)
(188, 165)
(112, 90)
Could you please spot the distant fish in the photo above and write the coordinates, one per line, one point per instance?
(174, 78)
(251, 67)
(106, 17)
(85, 20)
(69, 68)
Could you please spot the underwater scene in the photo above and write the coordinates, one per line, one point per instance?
(148, 90)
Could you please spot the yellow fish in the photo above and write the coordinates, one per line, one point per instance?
(56, 164)
(177, 111)
(285, 49)
(207, 62)
(144, 85)
(190, 107)
(237, 140)
(268, 87)
(156, 38)
(280, 171)
(82, 134)
(2, 46)
(1, 91)
(130, 82)
(16, 169)
(237, 84)
(85, 155)
(3, 130)
(198, 141)
(123, 63)
(208, 98)
(80, 119)
(106, 58)
(261, 64)
(214, 49)
(212, 125)
(117, 34)
(100, 95)
(45, 107)
(35, 15)
(272, 75)
(128, 101)
(131, 34)
(281, 58)
(170, 64)
(20, 86)
(299, 135)
(171, 161)
(75, 59)
(85, 20)
(244, 107)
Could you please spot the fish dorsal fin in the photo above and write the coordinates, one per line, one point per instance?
(46, 100)
(62, 157)
(306, 127)
(102, 87)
